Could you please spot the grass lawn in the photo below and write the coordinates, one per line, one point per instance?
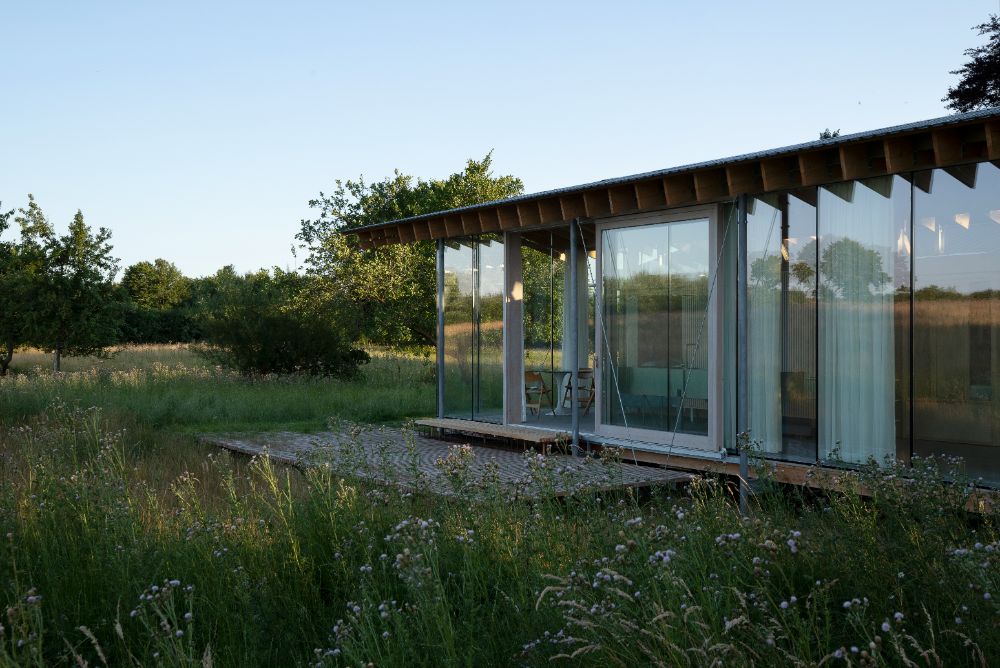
(125, 542)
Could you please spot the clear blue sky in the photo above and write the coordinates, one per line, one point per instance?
(198, 131)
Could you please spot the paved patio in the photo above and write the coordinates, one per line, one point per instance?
(413, 461)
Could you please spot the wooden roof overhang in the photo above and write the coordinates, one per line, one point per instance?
(942, 142)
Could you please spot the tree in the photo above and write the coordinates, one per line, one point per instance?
(256, 324)
(389, 291)
(979, 87)
(160, 308)
(75, 308)
(829, 134)
(156, 285)
(12, 292)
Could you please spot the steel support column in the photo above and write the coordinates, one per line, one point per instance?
(574, 336)
(440, 328)
(742, 396)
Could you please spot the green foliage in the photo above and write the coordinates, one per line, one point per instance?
(13, 302)
(161, 308)
(388, 293)
(68, 282)
(264, 323)
(102, 515)
(979, 87)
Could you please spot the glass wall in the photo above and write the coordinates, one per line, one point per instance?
(863, 267)
(956, 328)
(459, 282)
(654, 296)
(473, 339)
(781, 323)
(489, 340)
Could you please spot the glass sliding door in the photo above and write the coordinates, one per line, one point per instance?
(653, 331)
(473, 337)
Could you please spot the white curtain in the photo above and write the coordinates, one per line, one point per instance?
(764, 325)
(856, 353)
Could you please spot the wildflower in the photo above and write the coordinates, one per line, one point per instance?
(175, 583)
(179, 633)
(986, 596)
(885, 627)
(188, 616)
(784, 605)
(898, 616)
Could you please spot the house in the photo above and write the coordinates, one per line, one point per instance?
(839, 300)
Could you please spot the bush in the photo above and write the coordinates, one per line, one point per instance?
(257, 324)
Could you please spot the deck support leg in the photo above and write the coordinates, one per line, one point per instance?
(574, 338)
(440, 328)
(742, 396)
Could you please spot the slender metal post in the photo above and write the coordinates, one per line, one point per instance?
(440, 328)
(574, 339)
(742, 396)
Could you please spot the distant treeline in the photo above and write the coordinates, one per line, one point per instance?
(66, 294)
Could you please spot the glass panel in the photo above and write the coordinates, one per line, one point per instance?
(956, 346)
(544, 275)
(781, 324)
(489, 340)
(654, 295)
(862, 391)
(458, 335)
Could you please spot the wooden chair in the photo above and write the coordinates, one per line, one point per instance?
(534, 390)
(586, 391)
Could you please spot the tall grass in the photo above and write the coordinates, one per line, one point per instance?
(171, 388)
(123, 542)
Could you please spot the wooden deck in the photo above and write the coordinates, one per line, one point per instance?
(501, 431)
(416, 462)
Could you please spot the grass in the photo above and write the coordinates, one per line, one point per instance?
(124, 542)
(171, 388)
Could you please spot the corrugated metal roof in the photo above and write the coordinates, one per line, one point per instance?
(954, 119)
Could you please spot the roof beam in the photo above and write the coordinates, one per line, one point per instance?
(549, 210)
(527, 212)
(406, 233)
(947, 145)
(596, 203)
(993, 140)
(572, 206)
(898, 154)
(438, 228)
(422, 230)
(509, 220)
(489, 220)
(453, 226)
(650, 194)
(711, 185)
(744, 178)
(818, 167)
(470, 222)
(622, 199)
(780, 173)
(680, 189)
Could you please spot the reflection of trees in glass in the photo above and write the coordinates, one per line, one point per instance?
(851, 271)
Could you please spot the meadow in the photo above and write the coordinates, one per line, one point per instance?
(124, 541)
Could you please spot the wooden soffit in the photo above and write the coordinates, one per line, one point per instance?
(943, 142)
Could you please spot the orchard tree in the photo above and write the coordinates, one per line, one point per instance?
(75, 307)
(979, 87)
(388, 292)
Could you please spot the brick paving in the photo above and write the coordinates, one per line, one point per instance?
(414, 461)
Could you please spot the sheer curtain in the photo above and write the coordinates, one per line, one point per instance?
(856, 353)
(764, 325)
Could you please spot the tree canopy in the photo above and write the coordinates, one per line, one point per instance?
(387, 294)
(979, 87)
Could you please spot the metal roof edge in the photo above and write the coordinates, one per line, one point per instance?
(942, 121)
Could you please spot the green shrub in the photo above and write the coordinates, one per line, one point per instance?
(257, 325)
